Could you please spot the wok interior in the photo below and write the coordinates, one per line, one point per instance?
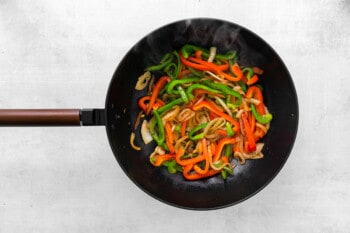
(122, 110)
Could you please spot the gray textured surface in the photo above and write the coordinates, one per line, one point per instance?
(62, 54)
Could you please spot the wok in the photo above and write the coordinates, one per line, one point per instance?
(120, 112)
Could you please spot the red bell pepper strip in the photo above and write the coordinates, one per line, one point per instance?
(142, 103)
(255, 92)
(157, 87)
(211, 107)
(250, 144)
(144, 106)
(253, 80)
(257, 70)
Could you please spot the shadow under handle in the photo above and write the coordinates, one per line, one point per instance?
(52, 117)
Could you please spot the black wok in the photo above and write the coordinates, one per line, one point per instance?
(121, 110)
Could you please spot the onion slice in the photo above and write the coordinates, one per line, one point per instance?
(143, 80)
(145, 133)
(212, 53)
(132, 139)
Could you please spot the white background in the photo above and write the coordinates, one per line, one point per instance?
(62, 54)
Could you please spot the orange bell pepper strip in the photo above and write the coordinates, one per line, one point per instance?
(258, 134)
(210, 66)
(198, 54)
(169, 137)
(250, 144)
(184, 162)
(183, 128)
(157, 87)
(202, 65)
(237, 72)
(221, 145)
(161, 158)
(213, 147)
(196, 176)
(253, 80)
(192, 64)
(254, 91)
(212, 107)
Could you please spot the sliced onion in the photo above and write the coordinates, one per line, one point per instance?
(132, 139)
(145, 133)
(239, 113)
(212, 53)
(222, 103)
(185, 114)
(214, 76)
(143, 81)
(253, 101)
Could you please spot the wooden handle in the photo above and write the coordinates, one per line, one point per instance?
(39, 117)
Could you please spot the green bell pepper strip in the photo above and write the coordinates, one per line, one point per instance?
(229, 130)
(172, 166)
(183, 94)
(178, 64)
(159, 138)
(168, 106)
(199, 86)
(263, 119)
(173, 69)
(225, 90)
(249, 72)
(173, 83)
(233, 105)
(230, 55)
(165, 61)
(189, 49)
(195, 130)
(242, 85)
(226, 170)
(178, 128)
(228, 150)
(229, 170)
(170, 69)
(223, 174)
(195, 72)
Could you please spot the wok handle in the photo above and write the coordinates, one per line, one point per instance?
(51, 117)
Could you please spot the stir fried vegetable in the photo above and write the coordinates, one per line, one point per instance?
(206, 113)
